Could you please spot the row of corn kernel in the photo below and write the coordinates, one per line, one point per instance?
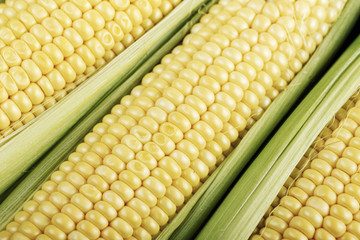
(28, 86)
(158, 116)
(325, 201)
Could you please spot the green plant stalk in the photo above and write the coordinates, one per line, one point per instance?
(200, 206)
(22, 149)
(242, 209)
(66, 145)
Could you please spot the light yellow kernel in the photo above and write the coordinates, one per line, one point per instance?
(122, 227)
(54, 232)
(88, 229)
(183, 186)
(98, 182)
(131, 216)
(97, 219)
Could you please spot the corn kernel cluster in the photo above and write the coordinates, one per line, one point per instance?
(140, 165)
(321, 198)
(47, 48)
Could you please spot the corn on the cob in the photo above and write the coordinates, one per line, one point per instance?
(322, 200)
(48, 48)
(145, 160)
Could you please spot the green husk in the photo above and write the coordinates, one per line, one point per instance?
(244, 206)
(196, 211)
(23, 148)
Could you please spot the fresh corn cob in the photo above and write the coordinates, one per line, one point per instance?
(321, 200)
(145, 160)
(49, 47)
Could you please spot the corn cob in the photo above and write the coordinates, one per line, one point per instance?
(181, 116)
(321, 196)
(48, 48)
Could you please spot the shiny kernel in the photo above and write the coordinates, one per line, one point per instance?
(106, 10)
(155, 186)
(167, 206)
(116, 32)
(353, 228)
(122, 227)
(291, 204)
(66, 188)
(84, 169)
(96, 47)
(39, 220)
(71, 10)
(183, 186)
(10, 56)
(171, 131)
(318, 204)
(43, 61)
(123, 190)
(131, 216)
(334, 226)
(211, 48)
(98, 182)
(124, 21)
(139, 206)
(218, 73)
(54, 232)
(341, 213)
(58, 199)
(63, 222)
(164, 142)
(291, 233)
(150, 225)
(205, 94)
(311, 215)
(123, 152)
(299, 194)
(174, 95)
(88, 229)
(11, 109)
(110, 233)
(130, 178)
(346, 165)
(170, 166)
(247, 14)
(154, 150)
(303, 225)
(114, 199)
(62, 18)
(64, 45)
(47, 208)
(182, 86)
(106, 210)
(157, 114)
(97, 219)
(105, 38)
(146, 196)
(134, 14)
(162, 176)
